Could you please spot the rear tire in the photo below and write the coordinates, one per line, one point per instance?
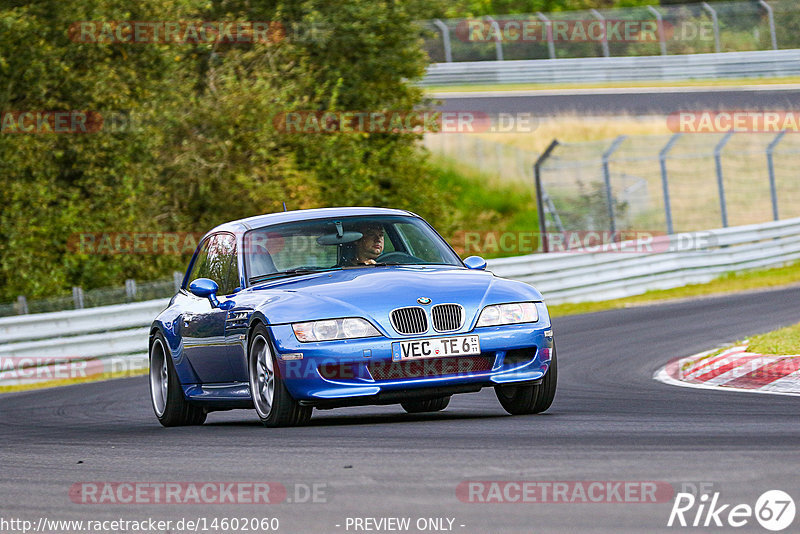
(273, 402)
(429, 405)
(169, 404)
(520, 400)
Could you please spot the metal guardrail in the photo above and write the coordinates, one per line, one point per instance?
(577, 277)
(23, 328)
(106, 339)
(86, 347)
(768, 63)
(103, 334)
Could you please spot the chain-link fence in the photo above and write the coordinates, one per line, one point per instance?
(659, 183)
(637, 31)
(131, 292)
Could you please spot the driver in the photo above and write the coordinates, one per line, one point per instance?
(370, 246)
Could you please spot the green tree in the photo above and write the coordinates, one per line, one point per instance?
(203, 148)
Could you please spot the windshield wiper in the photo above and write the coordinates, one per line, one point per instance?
(291, 272)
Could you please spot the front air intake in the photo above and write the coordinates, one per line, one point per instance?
(447, 317)
(410, 320)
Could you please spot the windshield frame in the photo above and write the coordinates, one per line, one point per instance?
(440, 242)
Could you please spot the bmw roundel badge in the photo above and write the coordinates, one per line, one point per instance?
(424, 300)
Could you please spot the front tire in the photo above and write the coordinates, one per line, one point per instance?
(273, 403)
(520, 400)
(169, 404)
(429, 405)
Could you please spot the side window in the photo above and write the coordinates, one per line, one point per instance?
(200, 264)
(232, 279)
(222, 267)
(217, 261)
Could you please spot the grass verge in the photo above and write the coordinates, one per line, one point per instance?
(71, 381)
(782, 341)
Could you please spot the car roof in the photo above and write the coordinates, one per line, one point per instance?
(259, 221)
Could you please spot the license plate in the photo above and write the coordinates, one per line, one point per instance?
(435, 347)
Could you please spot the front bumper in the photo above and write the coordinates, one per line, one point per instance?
(363, 368)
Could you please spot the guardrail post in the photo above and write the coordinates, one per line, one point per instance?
(448, 53)
(539, 193)
(720, 186)
(498, 45)
(662, 159)
(771, 18)
(177, 279)
(714, 21)
(604, 42)
(771, 168)
(607, 179)
(551, 47)
(130, 289)
(77, 297)
(22, 305)
(661, 37)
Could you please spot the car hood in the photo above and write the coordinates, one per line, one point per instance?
(374, 291)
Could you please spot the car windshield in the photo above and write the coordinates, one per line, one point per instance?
(343, 242)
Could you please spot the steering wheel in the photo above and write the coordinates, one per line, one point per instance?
(397, 257)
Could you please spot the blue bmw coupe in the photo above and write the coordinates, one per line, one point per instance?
(336, 307)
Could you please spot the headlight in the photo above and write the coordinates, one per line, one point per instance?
(330, 329)
(518, 312)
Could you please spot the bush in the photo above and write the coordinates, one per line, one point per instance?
(203, 149)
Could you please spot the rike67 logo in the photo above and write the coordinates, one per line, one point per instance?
(774, 510)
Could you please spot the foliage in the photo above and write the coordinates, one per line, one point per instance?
(479, 213)
(201, 147)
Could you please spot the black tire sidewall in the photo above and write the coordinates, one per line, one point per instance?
(177, 410)
(532, 399)
(284, 411)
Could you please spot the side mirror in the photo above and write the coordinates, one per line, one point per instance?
(205, 288)
(475, 262)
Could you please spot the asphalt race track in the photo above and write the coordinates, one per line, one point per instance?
(599, 102)
(610, 422)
